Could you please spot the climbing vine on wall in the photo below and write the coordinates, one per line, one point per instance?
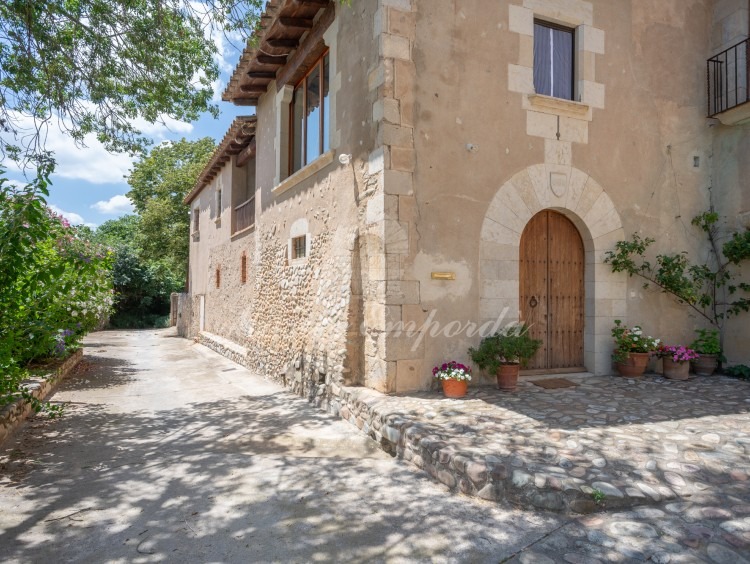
(714, 289)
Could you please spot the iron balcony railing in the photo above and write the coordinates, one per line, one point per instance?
(728, 78)
(244, 215)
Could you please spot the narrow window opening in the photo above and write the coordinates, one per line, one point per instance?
(554, 59)
(196, 220)
(243, 268)
(218, 277)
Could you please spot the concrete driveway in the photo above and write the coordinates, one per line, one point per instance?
(169, 452)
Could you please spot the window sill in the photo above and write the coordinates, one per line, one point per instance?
(304, 173)
(558, 106)
(241, 232)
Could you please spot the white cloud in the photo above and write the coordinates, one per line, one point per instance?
(119, 204)
(72, 217)
(15, 183)
(93, 163)
(164, 126)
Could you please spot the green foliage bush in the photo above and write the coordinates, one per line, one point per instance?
(740, 371)
(513, 345)
(707, 342)
(142, 286)
(55, 284)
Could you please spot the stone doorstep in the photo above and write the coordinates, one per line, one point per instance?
(490, 476)
(14, 414)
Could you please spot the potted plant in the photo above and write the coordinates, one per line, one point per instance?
(676, 361)
(707, 345)
(632, 349)
(504, 353)
(454, 377)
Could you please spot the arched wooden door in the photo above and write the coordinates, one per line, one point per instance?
(552, 290)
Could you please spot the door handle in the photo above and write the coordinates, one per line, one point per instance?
(532, 302)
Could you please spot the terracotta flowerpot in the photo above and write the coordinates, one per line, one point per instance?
(705, 365)
(635, 366)
(454, 388)
(676, 370)
(507, 377)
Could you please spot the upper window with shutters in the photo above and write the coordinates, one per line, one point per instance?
(554, 56)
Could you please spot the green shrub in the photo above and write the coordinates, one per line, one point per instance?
(55, 285)
(513, 345)
(740, 371)
(707, 342)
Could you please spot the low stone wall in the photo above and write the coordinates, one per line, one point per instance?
(426, 446)
(11, 416)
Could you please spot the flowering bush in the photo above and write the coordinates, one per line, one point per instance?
(452, 371)
(678, 353)
(55, 286)
(631, 340)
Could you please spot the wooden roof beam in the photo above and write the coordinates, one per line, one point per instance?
(299, 23)
(246, 155)
(311, 47)
(279, 60)
(253, 88)
(281, 43)
(262, 74)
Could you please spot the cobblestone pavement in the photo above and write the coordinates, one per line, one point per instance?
(628, 441)
(678, 453)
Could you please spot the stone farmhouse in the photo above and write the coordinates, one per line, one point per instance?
(452, 165)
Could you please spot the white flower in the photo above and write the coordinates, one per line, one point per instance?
(74, 313)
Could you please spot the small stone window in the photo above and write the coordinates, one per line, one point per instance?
(218, 277)
(217, 203)
(299, 247)
(554, 56)
(196, 220)
(243, 268)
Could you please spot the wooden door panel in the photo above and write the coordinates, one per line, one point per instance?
(566, 316)
(533, 284)
(552, 289)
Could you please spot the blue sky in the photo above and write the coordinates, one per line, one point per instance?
(89, 187)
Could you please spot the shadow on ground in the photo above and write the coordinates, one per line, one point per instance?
(249, 478)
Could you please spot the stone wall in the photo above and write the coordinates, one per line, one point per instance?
(295, 311)
(186, 315)
(12, 415)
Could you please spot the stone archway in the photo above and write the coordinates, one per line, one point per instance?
(579, 197)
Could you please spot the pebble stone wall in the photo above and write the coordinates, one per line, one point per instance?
(12, 415)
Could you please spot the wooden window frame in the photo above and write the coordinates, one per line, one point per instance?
(299, 247)
(573, 33)
(302, 82)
